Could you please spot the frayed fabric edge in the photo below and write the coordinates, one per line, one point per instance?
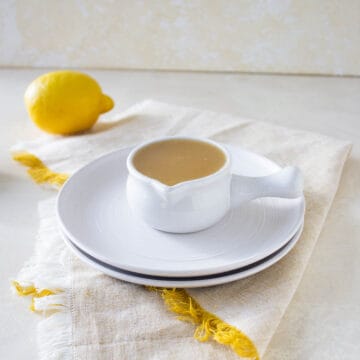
(46, 280)
(55, 336)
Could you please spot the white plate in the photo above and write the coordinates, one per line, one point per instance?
(92, 211)
(185, 282)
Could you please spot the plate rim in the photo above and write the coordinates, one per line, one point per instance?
(188, 283)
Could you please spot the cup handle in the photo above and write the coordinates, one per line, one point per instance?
(286, 183)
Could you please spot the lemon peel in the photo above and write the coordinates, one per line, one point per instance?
(66, 102)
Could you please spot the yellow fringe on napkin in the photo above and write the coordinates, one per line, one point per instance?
(32, 291)
(177, 300)
(208, 325)
(38, 171)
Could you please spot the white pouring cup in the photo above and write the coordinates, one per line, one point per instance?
(197, 204)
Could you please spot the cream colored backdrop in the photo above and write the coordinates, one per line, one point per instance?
(285, 36)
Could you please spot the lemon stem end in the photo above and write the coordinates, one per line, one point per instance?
(107, 103)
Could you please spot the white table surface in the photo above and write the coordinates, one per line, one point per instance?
(323, 320)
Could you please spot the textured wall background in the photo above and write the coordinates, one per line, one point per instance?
(286, 36)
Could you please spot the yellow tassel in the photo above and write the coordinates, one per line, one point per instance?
(208, 325)
(24, 290)
(32, 291)
(38, 171)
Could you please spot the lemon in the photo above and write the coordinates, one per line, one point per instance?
(65, 102)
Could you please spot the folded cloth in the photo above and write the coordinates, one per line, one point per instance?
(89, 315)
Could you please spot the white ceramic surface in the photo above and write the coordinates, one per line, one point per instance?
(182, 208)
(185, 282)
(197, 204)
(93, 212)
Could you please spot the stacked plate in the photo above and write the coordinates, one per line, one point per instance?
(100, 229)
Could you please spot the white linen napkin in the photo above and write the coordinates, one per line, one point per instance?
(93, 316)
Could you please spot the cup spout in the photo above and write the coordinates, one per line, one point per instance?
(169, 194)
(161, 190)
